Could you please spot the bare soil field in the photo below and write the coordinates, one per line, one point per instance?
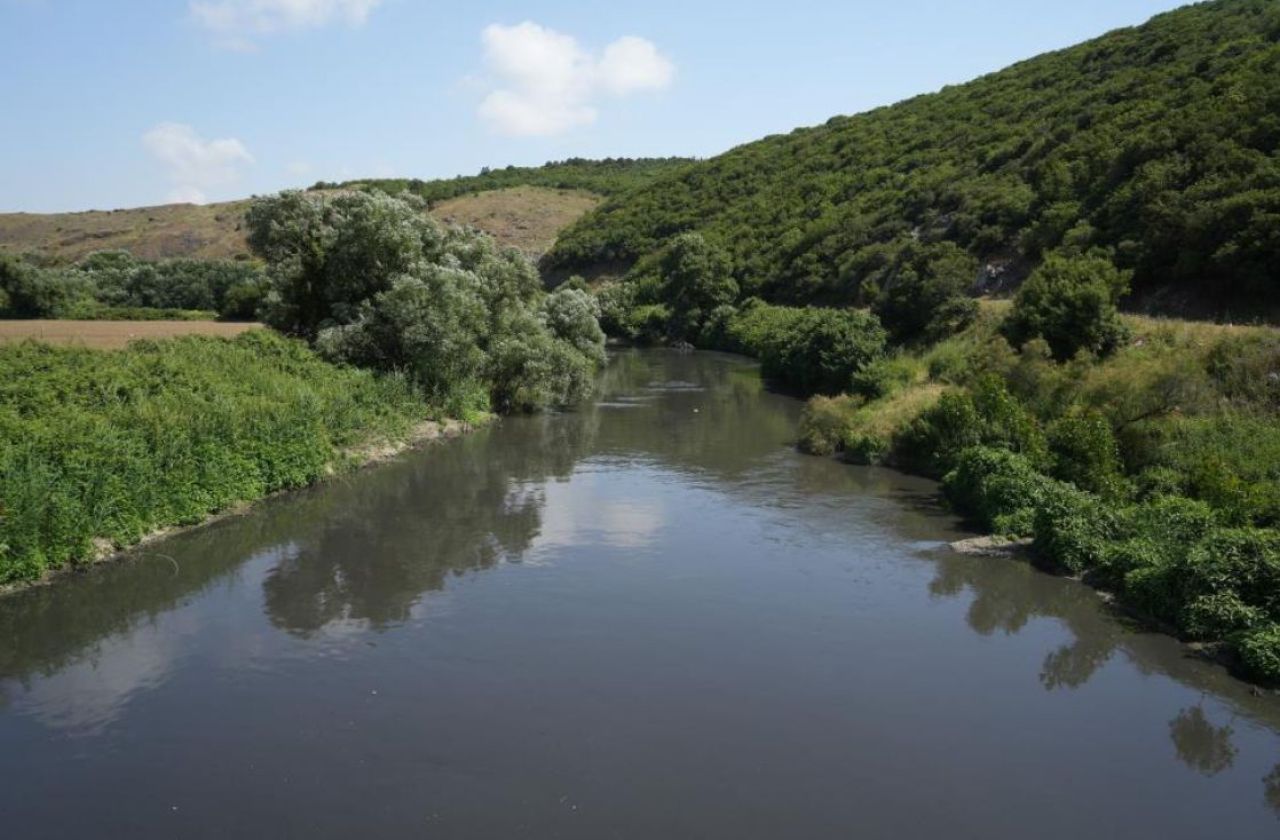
(113, 335)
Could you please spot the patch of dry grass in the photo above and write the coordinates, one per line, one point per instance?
(526, 218)
(113, 335)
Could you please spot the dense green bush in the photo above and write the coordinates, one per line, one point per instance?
(822, 350)
(1231, 461)
(115, 285)
(32, 292)
(998, 490)
(918, 290)
(1085, 453)
(988, 415)
(1073, 528)
(1070, 302)
(231, 288)
(112, 445)
(1259, 650)
(759, 327)
(374, 282)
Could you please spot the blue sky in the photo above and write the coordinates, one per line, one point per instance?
(117, 104)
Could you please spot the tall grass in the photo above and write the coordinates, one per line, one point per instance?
(109, 446)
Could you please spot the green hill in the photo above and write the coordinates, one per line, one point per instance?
(1157, 145)
(608, 177)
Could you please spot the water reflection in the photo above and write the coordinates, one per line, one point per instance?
(1200, 745)
(404, 531)
(1271, 790)
(846, 554)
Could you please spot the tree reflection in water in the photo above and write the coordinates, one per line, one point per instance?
(1200, 745)
(405, 531)
(1271, 789)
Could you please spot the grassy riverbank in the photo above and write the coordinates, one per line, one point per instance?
(1153, 473)
(99, 449)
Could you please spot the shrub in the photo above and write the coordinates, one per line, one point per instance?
(1243, 561)
(865, 449)
(760, 328)
(823, 423)
(1259, 650)
(647, 324)
(190, 427)
(822, 350)
(616, 301)
(986, 416)
(1220, 616)
(573, 316)
(1073, 528)
(998, 489)
(1085, 453)
(1070, 302)
(31, 292)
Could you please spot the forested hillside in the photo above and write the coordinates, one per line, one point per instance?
(611, 176)
(1157, 147)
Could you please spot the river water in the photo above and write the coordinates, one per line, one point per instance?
(649, 618)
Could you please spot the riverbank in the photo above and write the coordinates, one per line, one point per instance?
(1150, 474)
(369, 454)
(103, 451)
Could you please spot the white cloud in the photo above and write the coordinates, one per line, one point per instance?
(235, 23)
(546, 83)
(194, 164)
(631, 64)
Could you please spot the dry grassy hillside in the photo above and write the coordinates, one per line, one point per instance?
(172, 230)
(528, 218)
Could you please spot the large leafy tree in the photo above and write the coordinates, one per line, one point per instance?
(374, 282)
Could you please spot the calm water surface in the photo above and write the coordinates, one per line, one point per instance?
(651, 618)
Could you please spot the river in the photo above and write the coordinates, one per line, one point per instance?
(648, 618)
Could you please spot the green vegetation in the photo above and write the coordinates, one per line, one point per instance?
(374, 282)
(112, 285)
(1142, 456)
(112, 445)
(1155, 148)
(405, 319)
(1153, 472)
(1070, 302)
(611, 176)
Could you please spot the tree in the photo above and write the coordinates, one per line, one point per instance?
(697, 277)
(923, 291)
(1070, 302)
(328, 255)
(375, 283)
